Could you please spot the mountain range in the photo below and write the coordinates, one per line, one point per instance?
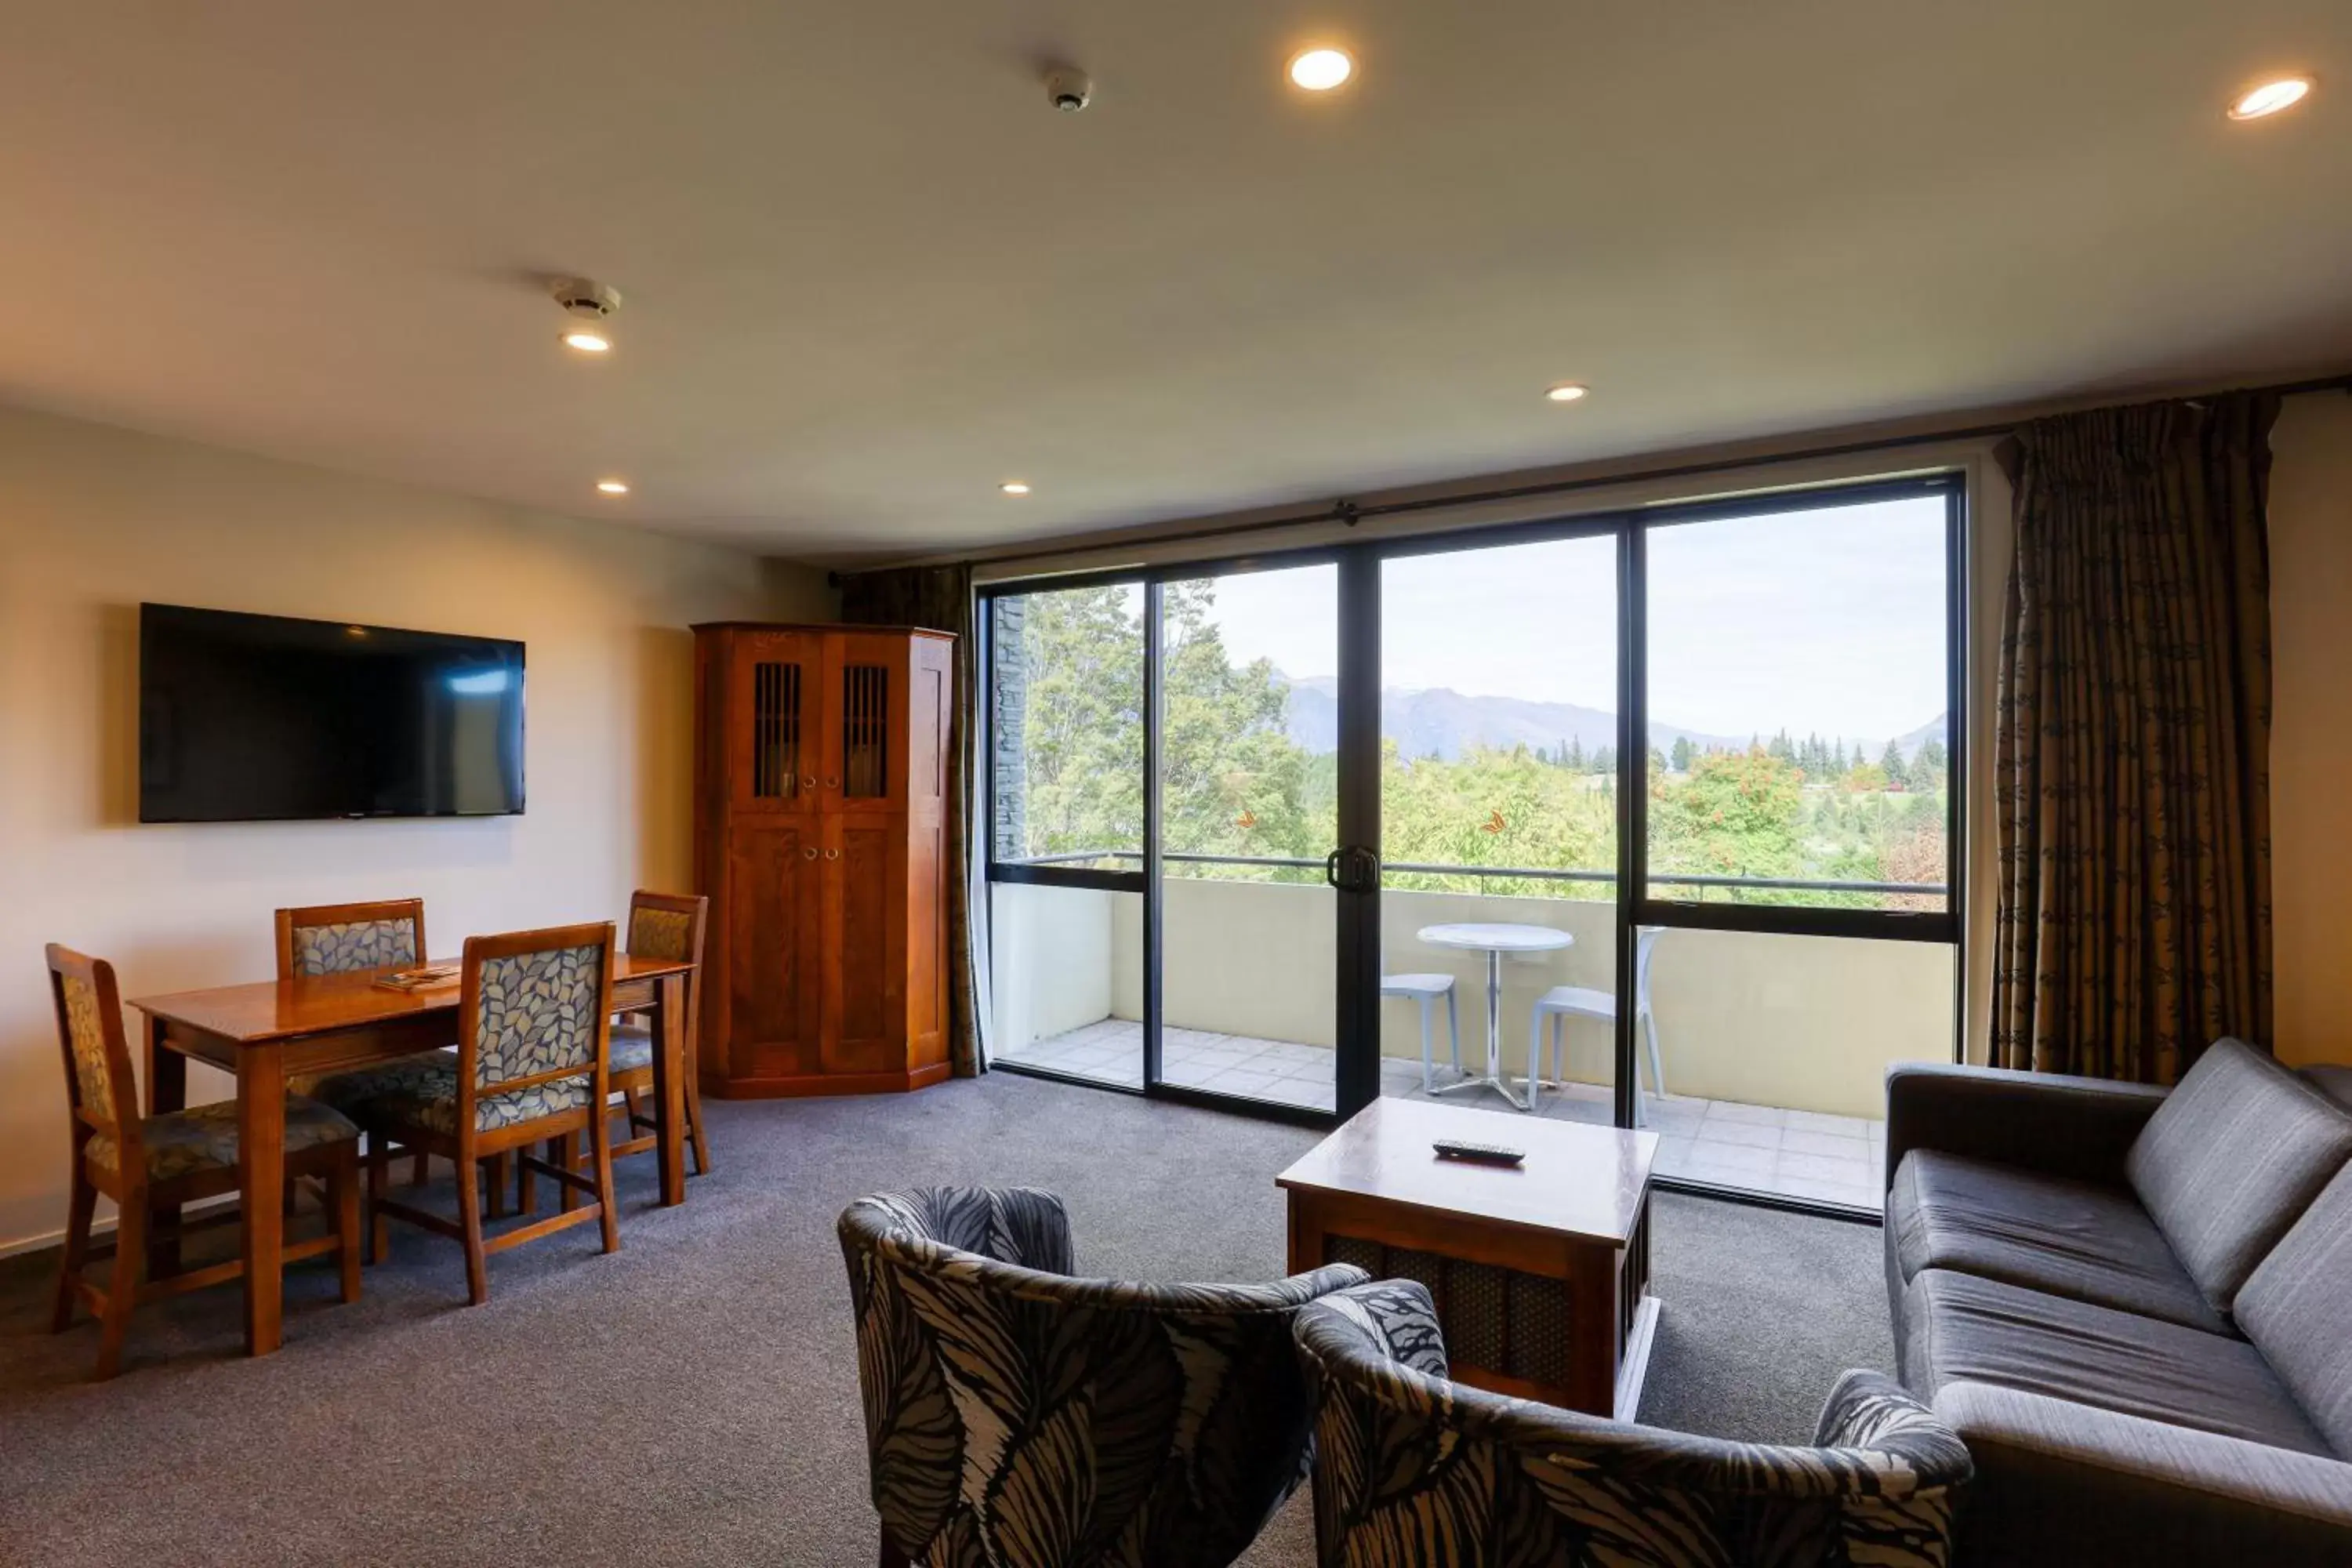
(1437, 721)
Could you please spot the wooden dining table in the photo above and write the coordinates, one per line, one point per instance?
(268, 1031)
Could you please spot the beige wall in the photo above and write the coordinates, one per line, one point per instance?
(2311, 733)
(93, 520)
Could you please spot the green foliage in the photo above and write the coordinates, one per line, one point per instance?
(1234, 782)
(1084, 738)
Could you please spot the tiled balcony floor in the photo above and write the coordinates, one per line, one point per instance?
(1794, 1154)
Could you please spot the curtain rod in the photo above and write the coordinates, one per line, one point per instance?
(1351, 513)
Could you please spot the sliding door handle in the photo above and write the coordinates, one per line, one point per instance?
(1353, 868)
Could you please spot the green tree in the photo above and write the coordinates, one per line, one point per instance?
(1890, 763)
(1930, 766)
(1736, 815)
(1234, 783)
(1083, 738)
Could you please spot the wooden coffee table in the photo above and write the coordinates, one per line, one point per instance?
(1540, 1271)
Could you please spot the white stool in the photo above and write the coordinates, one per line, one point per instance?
(1583, 1002)
(1426, 989)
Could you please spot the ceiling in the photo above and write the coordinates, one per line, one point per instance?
(870, 273)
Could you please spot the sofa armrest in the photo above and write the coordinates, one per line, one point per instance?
(2058, 1482)
(2059, 1125)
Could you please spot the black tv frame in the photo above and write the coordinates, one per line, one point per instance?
(147, 716)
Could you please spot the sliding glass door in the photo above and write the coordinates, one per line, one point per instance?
(1499, 824)
(1645, 819)
(1248, 815)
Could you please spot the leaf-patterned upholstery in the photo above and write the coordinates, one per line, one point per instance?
(87, 1034)
(539, 1013)
(1017, 1418)
(632, 1050)
(661, 933)
(353, 945)
(352, 1092)
(204, 1137)
(1412, 1469)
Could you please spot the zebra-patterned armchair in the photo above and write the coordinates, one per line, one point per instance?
(1016, 1417)
(1412, 1469)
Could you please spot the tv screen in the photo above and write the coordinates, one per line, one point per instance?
(261, 718)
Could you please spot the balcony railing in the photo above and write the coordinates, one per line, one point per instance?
(1798, 1022)
(1527, 873)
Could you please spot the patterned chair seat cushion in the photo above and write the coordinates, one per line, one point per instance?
(204, 1137)
(423, 1075)
(433, 1105)
(631, 1050)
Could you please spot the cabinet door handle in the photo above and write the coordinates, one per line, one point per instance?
(808, 780)
(832, 854)
(832, 783)
(810, 852)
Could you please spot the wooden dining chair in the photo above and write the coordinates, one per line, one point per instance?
(534, 1017)
(345, 938)
(666, 926)
(152, 1165)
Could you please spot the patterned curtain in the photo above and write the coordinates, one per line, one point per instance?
(939, 598)
(2133, 760)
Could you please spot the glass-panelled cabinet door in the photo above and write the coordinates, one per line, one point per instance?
(867, 677)
(773, 727)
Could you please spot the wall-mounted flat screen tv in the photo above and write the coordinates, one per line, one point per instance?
(266, 718)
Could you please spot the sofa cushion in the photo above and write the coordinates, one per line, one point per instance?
(2195, 1167)
(2297, 1310)
(1960, 1329)
(2064, 1238)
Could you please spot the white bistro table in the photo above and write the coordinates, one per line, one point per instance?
(1495, 940)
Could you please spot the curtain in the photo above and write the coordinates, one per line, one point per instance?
(2132, 785)
(939, 598)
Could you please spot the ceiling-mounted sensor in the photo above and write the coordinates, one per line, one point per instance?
(589, 304)
(585, 297)
(1068, 89)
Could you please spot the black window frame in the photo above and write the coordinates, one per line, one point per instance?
(1360, 561)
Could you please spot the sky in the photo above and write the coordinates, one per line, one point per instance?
(1827, 621)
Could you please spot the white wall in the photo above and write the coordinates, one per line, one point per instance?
(93, 520)
(1050, 968)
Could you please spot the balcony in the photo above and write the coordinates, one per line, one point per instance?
(1773, 1047)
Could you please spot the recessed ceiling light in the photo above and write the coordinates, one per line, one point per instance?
(1567, 392)
(613, 487)
(586, 342)
(2271, 98)
(1014, 488)
(1321, 69)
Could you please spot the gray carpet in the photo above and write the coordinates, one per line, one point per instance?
(693, 1399)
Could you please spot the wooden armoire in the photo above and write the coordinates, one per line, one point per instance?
(820, 835)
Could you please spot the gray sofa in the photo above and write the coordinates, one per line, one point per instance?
(2135, 1307)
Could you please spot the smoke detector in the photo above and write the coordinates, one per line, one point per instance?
(1068, 89)
(585, 297)
(589, 304)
